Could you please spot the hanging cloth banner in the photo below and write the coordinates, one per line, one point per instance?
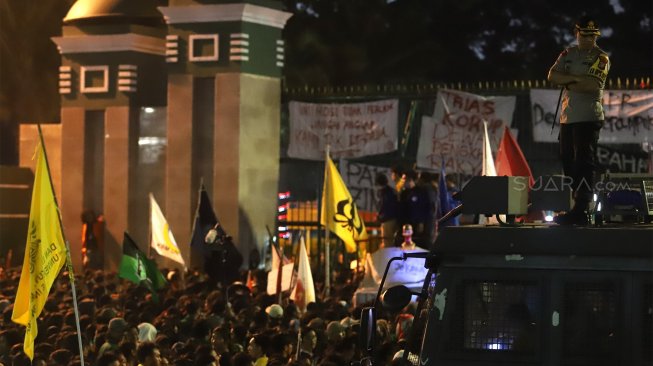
(455, 132)
(622, 161)
(628, 116)
(359, 179)
(352, 130)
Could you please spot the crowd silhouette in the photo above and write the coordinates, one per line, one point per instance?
(192, 321)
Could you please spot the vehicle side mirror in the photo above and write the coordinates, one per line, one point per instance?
(368, 330)
(396, 298)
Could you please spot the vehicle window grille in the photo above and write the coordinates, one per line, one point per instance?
(498, 316)
(589, 321)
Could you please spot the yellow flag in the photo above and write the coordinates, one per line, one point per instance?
(339, 213)
(45, 254)
(162, 239)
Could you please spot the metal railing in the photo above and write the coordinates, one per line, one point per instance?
(425, 89)
(302, 216)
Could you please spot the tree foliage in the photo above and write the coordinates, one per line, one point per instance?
(373, 41)
(338, 42)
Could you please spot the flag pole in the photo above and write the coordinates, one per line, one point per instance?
(149, 244)
(192, 252)
(280, 274)
(69, 264)
(327, 244)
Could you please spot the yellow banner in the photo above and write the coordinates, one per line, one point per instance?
(45, 254)
(339, 213)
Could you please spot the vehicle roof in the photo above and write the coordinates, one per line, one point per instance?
(547, 239)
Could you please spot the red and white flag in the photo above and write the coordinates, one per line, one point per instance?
(511, 160)
(286, 273)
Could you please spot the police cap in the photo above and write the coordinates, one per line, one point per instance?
(587, 26)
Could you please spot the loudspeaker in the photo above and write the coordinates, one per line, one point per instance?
(496, 195)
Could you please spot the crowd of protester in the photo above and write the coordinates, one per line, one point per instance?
(411, 198)
(192, 322)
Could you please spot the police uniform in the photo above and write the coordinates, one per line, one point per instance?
(581, 119)
(583, 107)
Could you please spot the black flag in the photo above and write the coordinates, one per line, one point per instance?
(205, 220)
(219, 258)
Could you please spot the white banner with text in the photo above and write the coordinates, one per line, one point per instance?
(455, 131)
(351, 130)
(628, 116)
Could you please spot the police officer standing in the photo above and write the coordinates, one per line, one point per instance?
(582, 70)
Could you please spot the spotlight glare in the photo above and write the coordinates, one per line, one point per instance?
(548, 218)
(148, 110)
(353, 264)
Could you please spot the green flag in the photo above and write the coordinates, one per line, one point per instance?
(137, 268)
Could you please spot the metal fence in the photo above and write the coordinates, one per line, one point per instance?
(426, 89)
(302, 218)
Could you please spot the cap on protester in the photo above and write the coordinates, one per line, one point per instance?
(587, 27)
(274, 311)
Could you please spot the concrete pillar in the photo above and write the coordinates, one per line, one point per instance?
(226, 155)
(120, 138)
(72, 170)
(178, 202)
(246, 158)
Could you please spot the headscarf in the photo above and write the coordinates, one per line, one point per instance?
(146, 332)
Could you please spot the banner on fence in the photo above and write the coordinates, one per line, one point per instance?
(455, 132)
(620, 161)
(352, 130)
(628, 116)
(359, 179)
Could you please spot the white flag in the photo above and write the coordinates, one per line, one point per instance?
(275, 258)
(304, 292)
(162, 239)
(488, 162)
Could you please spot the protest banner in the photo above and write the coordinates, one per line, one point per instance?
(351, 130)
(455, 131)
(628, 116)
(410, 273)
(620, 161)
(359, 178)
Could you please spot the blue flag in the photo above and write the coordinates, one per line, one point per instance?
(446, 201)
